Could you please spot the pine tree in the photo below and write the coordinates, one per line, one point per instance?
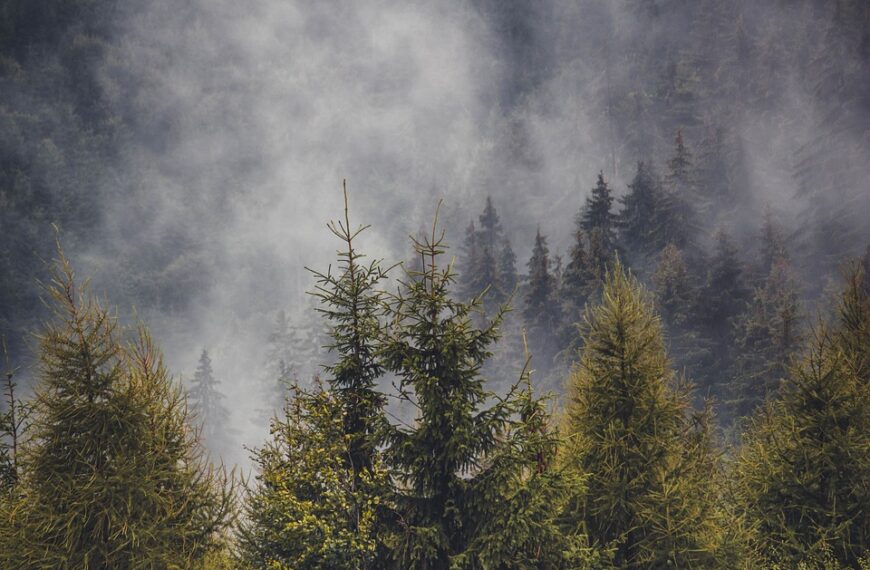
(507, 269)
(542, 313)
(638, 215)
(111, 476)
(327, 436)
(597, 214)
(649, 466)
(321, 485)
(310, 509)
(206, 403)
(802, 476)
(473, 487)
(577, 280)
(767, 338)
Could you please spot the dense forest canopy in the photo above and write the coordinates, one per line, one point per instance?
(690, 173)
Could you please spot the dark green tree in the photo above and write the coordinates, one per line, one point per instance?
(473, 487)
(321, 487)
(577, 283)
(542, 314)
(637, 217)
(111, 476)
(649, 465)
(597, 214)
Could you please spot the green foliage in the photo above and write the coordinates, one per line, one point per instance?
(320, 496)
(542, 313)
(474, 488)
(650, 466)
(597, 214)
(802, 475)
(111, 475)
(309, 508)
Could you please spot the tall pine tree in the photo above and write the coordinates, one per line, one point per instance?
(650, 466)
(112, 477)
(542, 313)
(802, 476)
(473, 485)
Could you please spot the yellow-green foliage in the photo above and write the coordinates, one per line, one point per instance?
(111, 476)
(308, 509)
(650, 466)
(802, 475)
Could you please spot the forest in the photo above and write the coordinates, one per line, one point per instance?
(465, 285)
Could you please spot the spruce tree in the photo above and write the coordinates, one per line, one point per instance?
(577, 281)
(597, 214)
(111, 474)
(321, 486)
(310, 508)
(206, 403)
(802, 476)
(638, 214)
(649, 466)
(473, 485)
(722, 301)
(352, 304)
(541, 313)
(679, 206)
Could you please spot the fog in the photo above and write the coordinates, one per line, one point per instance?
(247, 116)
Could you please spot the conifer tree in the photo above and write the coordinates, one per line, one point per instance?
(676, 297)
(507, 269)
(767, 338)
(802, 476)
(679, 206)
(637, 217)
(473, 486)
(310, 509)
(576, 282)
(542, 313)
(14, 420)
(650, 466)
(352, 304)
(673, 288)
(321, 486)
(206, 403)
(111, 475)
(490, 233)
(597, 214)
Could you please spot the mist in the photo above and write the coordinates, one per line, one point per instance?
(244, 118)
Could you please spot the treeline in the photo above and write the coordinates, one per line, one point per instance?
(734, 320)
(104, 467)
